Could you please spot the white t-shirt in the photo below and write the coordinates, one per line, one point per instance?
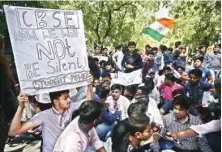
(119, 55)
(152, 111)
(124, 105)
(154, 114)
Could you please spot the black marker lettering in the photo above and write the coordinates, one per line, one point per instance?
(48, 53)
(61, 49)
(68, 49)
(53, 15)
(35, 69)
(28, 71)
(48, 63)
(23, 18)
(40, 15)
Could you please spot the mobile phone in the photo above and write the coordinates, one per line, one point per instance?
(162, 131)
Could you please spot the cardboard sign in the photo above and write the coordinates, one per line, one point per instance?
(126, 79)
(105, 58)
(49, 48)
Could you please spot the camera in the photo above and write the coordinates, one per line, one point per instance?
(160, 130)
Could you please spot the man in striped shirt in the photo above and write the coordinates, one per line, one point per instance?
(53, 120)
(180, 120)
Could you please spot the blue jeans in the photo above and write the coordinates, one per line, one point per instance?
(104, 130)
(163, 102)
(167, 106)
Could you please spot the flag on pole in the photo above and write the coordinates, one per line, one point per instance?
(159, 28)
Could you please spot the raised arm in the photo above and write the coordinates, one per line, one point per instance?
(89, 93)
(16, 125)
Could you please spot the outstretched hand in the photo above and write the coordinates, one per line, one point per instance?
(90, 79)
(172, 135)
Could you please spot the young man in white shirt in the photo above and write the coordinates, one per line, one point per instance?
(118, 57)
(117, 101)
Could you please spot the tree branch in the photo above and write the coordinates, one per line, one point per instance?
(109, 25)
(110, 18)
(96, 30)
(124, 4)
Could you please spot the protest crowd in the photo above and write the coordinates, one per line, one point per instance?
(59, 95)
(110, 116)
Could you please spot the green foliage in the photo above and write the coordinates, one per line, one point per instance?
(109, 23)
(198, 22)
(3, 26)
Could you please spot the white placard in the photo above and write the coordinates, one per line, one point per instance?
(207, 99)
(105, 58)
(49, 48)
(126, 79)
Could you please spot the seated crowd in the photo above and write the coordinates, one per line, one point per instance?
(105, 116)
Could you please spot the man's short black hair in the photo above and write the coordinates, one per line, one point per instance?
(170, 77)
(102, 62)
(178, 43)
(163, 48)
(196, 72)
(181, 67)
(138, 123)
(149, 84)
(136, 108)
(104, 91)
(142, 90)
(56, 95)
(154, 49)
(147, 46)
(116, 86)
(183, 102)
(131, 43)
(166, 68)
(199, 58)
(131, 88)
(178, 92)
(106, 74)
(142, 99)
(118, 47)
(170, 50)
(201, 46)
(96, 59)
(89, 111)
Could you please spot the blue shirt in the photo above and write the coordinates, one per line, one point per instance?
(158, 60)
(110, 118)
(167, 58)
(53, 125)
(195, 93)
(205, 73)
(180, 62)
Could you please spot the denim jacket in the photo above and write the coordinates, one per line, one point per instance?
(195, 93)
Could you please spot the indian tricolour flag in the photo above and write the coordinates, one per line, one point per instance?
(159, 28)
